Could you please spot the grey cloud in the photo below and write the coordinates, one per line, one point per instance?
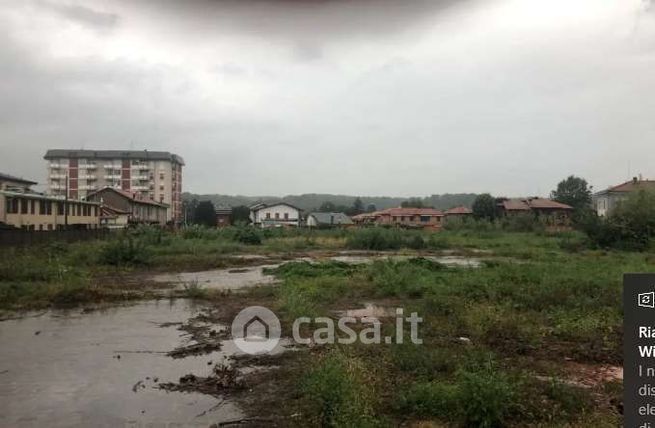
(82, 14)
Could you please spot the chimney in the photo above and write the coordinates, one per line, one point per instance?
(634, 180)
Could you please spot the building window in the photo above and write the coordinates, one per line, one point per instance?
(60, 208)
(49, 227)
(32, 207)
(23, 206)
(268, 216)
(286, 216)
(277, 216)
(425, 219)
(12, 206)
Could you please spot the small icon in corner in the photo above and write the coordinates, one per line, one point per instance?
(647, 300)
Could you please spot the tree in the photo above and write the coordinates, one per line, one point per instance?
(205, 214)
(189, 208)
(413, 203)
(358, 207)
(484, 207)
(240, 214)
(327, 207)
(371, 208)
(573, 191)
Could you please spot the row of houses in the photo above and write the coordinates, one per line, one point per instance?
(282, 214)
(23, 208)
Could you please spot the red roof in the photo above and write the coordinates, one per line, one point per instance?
(548, 203)
(533, 203)
(132, 196)
(458, 210)
(632, 185)
(515, 205)
(410, 212)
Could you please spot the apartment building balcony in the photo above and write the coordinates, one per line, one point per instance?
(113, 177)
(57, 176)
(88, 166)
(88, 177)
(142, 178)
(139, 187)
(57, 186)
(142, 167)
(57, 166)
(111, 166)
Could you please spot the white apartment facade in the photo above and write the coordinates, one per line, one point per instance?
(151, 175)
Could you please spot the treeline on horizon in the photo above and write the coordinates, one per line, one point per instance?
(313, 201)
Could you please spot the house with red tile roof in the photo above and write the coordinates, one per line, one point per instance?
(553, 213)
(426, 218)
(605, 201)
(139, 209)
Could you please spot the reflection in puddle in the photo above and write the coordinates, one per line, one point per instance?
(221, 279)
(102, 368)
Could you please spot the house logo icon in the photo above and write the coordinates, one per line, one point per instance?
(256, 330)
(647, 300)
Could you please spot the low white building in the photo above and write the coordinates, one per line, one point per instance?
(328, 220)
(277, 214)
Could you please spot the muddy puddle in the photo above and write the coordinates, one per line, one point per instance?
(450, 261)
(252, 276)
(220, 279)
(371, 312)
(107, 367)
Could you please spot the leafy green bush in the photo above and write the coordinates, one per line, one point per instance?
(248, 236)
(125, 251)
(376, 239)
(630, 227)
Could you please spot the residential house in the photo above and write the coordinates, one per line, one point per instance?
(458, 213)
(22, 208)
(553, 213)
(140, 210)
(223, 217)
(9, 182)
(326, 220)
(607, 200)
(113, 218)
(428, 218)
(154, 176)
(279, 214)
(35, 211)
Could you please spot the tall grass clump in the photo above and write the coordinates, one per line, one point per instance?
(339, 393)
(480, 397)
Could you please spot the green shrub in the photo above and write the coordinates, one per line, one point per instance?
(125, 251)
(248, 236)
(376, 239)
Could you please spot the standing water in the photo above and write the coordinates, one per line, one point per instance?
(102, 369)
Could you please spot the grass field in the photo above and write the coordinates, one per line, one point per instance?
(524, 339)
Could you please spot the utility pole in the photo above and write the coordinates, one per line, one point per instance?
(66, 206)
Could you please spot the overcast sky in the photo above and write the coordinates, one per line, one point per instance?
(368, 97)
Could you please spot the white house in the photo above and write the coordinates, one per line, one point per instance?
(275, 215)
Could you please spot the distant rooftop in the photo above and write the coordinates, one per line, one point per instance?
(631, 186)
(8, 177)
(112, 154)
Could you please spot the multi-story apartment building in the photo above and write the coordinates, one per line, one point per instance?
(152, 175)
